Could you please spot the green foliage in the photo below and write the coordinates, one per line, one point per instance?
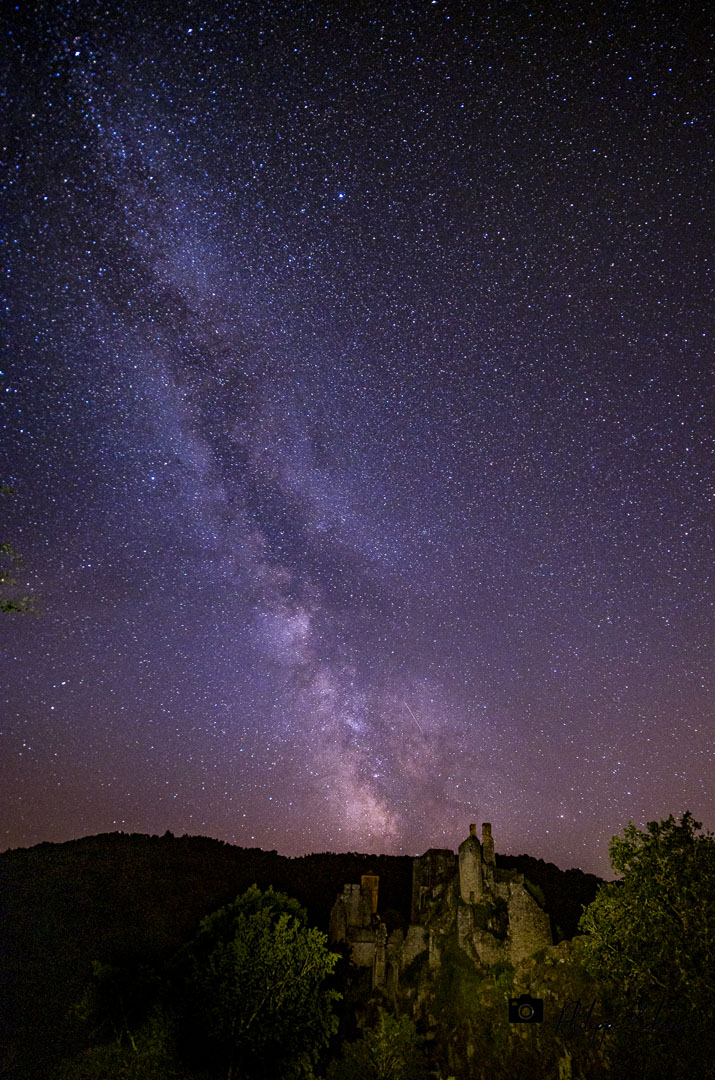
(253, 980)
(410, 975)
(123, 1010)
(649, 940)
(146, 1057)
(457, 986)
(118, 1001)
(502, 974)
(492, 916)
(391, 1050)
(470, 1009)
(655, 929)
(127, 898)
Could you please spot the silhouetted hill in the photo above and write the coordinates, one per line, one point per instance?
(123, 898)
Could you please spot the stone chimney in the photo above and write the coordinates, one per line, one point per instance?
(488, 844)
(472, 830)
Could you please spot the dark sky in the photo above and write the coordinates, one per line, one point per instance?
(358, 407)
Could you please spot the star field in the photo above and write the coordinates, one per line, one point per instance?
(359, 413)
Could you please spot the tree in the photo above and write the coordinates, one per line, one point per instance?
(123, 1008)
(649, 939)
(391, 1050)
(118, 1002)
(655, 929)
(147, 1057)
(254, 980)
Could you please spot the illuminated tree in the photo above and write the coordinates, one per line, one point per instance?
(655, 929)
(255, 977)
(391, 1050)
(649, 939)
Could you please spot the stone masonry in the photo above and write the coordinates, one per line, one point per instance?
(491, 913)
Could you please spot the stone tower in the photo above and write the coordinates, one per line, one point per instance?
(488, 844)
(488, 856)
(471, 882)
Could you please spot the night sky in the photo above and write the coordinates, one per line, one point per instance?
(358, 407)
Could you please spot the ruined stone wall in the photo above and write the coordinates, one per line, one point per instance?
(379, 963)
(351, 922)
(529, 926)
(480, 943)
(415, 943)
(430, 872)
(362, 947)
(369, 885)
(351, 909)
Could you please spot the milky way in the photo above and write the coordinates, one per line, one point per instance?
(359, 418)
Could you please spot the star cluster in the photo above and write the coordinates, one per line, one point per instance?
(359, 416)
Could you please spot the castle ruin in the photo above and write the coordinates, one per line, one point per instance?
(493, 914)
